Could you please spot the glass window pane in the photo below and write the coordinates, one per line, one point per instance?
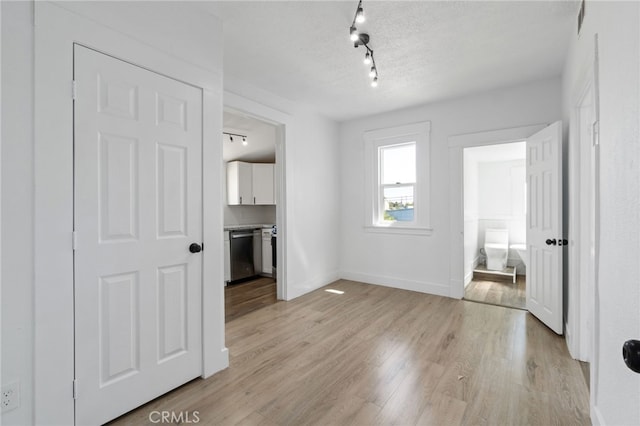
(398, 164)
(398, 203)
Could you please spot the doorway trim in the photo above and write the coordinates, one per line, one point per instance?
(282, 121)
(56, 29)
(456, 144)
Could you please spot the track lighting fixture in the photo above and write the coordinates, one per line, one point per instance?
(362, 39)
(231, 135)
(354, 33)
(360, 13)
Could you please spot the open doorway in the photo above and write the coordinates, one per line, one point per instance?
(249, 213)
(495, 224)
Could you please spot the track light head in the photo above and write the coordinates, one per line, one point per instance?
(244, 141)
(231, 138)
(360, 15)
(354, 33)
(373, 73)
(367, 59)
(374, 82)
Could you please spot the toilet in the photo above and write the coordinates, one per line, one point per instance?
(496, 247)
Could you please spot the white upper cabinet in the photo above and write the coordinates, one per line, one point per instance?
(250, 183)
(239, 185)
(263, 192)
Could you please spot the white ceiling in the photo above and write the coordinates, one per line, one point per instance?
(500, 152)
(425, 50)
(261, 139)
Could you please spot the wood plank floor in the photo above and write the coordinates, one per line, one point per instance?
(497, 290)
(376, 355)
(241, 299)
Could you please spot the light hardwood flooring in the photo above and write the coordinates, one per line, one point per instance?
(241, 299)
(497, 290)
(376, 355)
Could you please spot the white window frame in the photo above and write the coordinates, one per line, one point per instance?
(417, 133)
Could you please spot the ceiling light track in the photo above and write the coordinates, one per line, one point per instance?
(362, 39)
(231, 135)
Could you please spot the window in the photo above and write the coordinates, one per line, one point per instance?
(397, 182)
(397, 161)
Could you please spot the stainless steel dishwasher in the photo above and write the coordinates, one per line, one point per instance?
(241, 254)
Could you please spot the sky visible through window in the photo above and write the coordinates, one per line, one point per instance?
(399, 164)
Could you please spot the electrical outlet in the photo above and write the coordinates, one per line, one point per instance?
(10, 394)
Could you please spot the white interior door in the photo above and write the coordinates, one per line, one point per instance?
(544, 226)
(138, 208)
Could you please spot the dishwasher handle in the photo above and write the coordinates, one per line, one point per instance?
(244, 235)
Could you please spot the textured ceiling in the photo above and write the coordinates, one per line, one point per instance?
(425, 50)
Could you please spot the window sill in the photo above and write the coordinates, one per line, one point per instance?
(398, 230)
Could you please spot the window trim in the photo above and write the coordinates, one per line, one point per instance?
(417, 133)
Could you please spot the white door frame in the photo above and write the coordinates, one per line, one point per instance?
(56, 29)
(283, 123)
(582, 321)
(582, 279)
(457, 144)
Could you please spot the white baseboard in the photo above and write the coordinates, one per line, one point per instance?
(468, 277)
(419, 286)
(308, 286)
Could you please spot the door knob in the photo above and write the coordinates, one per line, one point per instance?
(195, 248)
(631, 354)
(551, 242)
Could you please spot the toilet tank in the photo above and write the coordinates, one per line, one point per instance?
(496, 236)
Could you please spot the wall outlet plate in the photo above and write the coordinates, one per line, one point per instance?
(10, 396)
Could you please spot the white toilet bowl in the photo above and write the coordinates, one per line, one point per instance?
(521, 249)
(496, 248)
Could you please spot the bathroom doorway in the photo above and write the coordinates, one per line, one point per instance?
(494, 187)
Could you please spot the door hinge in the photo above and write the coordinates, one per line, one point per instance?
(74, 90)
(596, 133)
(74, 240)
(75, 388)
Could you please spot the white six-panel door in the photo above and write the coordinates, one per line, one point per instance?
(137, 195)
(544, 226)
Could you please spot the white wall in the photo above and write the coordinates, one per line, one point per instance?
(421, 263)
(17, 205)
(614, 388)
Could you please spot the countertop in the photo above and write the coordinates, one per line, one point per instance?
(254, 226)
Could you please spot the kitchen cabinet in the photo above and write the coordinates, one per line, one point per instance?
(227, 258)
(250, 183)
(262, 179)
(239, 183)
